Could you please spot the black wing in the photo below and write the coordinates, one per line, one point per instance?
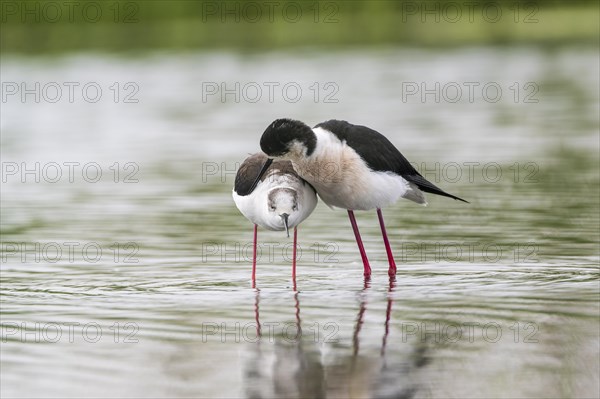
(251, 167)
(380, 154)
(248, 172)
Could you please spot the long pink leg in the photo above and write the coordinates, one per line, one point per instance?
(294, 256)
(388, 249)
(254, 257)
(361, 248)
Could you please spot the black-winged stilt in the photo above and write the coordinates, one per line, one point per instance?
(352, 167)
(274, 197)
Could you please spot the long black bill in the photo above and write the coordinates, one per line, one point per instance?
(261, 173)
(285, 216)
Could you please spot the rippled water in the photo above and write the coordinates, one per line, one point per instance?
(497, 298)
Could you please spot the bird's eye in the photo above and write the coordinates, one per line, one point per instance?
(272, 207)
(295, 208)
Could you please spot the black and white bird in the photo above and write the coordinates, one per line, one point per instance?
(273, 196)
(351, 166)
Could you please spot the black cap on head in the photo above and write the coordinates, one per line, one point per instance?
(278, 136)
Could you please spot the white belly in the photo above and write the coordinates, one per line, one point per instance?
(255, 205)
(377, 190)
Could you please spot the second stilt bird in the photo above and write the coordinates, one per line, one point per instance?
(274, 197)
(351, 166)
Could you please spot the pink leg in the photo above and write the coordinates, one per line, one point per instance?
(388, 249)
(361, 248)
(294, 256)
(254, 257)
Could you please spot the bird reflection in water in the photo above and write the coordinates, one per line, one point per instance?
(292, 368)
(278, 366)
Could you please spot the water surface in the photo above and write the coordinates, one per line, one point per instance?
(497, 298)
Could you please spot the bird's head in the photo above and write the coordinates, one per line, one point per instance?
(288, 138)
(283, 207)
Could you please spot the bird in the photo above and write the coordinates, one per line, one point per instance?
(278, 199)
(352, 167)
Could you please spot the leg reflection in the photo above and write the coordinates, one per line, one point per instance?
(283, 363)
(359, 321)
(388, 312)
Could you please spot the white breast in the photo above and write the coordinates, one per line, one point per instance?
(255, 205)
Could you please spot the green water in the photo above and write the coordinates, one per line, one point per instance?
(150, 292)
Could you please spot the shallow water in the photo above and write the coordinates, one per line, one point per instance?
(138, 284)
